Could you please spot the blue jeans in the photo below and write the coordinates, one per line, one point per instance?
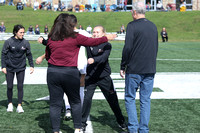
(125, 8)
(145, 83)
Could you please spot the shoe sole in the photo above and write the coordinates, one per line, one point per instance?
(19, 112)
(122, 127)
(9, 110)
(83, 129)
(67, 118)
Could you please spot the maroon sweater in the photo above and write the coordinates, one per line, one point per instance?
(65, 53)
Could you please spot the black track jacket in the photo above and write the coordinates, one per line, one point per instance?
(100, 68)
(14, 53)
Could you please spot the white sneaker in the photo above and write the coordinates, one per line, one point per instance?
(78, 131)
(67, 114)
(10, 107)
(19, 109)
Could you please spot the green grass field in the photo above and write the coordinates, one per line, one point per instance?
(181, 26)
(180, 54)
(168, 116)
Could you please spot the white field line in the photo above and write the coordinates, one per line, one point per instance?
(164, 59)
(175, 85)
(189, 60)
(118, 90)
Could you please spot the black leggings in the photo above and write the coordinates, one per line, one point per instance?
(62, 80)
(165, 38)
(20, 82)
(107, 87)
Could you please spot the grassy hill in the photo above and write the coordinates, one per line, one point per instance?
(167, 115)
(181, 26)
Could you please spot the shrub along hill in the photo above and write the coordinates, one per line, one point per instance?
(181, 26)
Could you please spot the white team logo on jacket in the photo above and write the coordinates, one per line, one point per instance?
(23, 48)
(100, 50)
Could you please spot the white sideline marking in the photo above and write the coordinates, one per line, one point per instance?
(180, 59)
(165, 59)
(37, 77)
(176, 85)
(46, 98)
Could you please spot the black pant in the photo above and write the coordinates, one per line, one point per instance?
(20, 82)
(62, 80)
(165, 38)
(107, 88)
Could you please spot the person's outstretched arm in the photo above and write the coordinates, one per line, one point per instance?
(40, 59)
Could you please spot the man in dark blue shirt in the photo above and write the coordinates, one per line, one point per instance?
(139, 64)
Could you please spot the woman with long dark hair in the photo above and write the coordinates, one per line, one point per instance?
(13, 61)
(62, 74)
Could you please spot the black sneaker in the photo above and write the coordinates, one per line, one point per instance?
(123, 126)
(84, 127)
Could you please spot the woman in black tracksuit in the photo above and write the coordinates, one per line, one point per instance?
(164, 35)
(98, 74)
(13, 60)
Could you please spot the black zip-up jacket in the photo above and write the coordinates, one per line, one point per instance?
(100, 68)
(14, 53)
(163, 33)
(140, 49)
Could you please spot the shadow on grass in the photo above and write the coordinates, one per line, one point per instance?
(66, 126)
(45, 124)
(4, 103)
(42, 104)
(107, 119)
(14, 101)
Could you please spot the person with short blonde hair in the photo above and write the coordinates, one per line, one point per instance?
(98, 74)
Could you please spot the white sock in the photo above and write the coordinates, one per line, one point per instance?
(82, 94)
(67, 106)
